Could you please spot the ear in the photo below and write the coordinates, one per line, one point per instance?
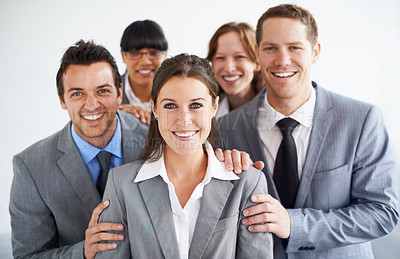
(316, 52)
(120, 94)
(153, 109)
(62, 103)
(123, 56)
(215, 106)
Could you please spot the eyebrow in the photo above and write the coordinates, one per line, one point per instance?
(80, 89)
(172, 100)
(287, 43)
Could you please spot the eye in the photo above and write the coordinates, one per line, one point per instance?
(169, 106)
(219, 58)
(196, 105)
(154, 53)
(294, 48)
(134, 53)
(76, 94)
(103, 91)
(240, 57)
(269, 49)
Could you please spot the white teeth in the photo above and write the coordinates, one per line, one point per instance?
(231, 78)
(284, 74)
(145, 71)
(184, 134)
(92, 117)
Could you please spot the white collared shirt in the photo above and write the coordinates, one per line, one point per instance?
(132, 98)
(223, 106)
(185, 218)
(271, 135)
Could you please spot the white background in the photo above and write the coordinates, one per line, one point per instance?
(360, 54)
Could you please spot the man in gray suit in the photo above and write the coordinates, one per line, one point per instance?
(55, 189)
(343, 182)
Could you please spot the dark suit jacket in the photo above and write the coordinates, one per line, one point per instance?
(348, 189)
(124, 97)
(53, 194)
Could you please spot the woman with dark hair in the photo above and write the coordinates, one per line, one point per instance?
(143, 48)
(178, 200)
(232, 54)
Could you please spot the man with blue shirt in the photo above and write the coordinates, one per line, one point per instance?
(58, 182)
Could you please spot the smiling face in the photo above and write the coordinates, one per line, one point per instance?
(232, 66)
(91, 99)
(141, 71)
(184, 110)
(286, 55)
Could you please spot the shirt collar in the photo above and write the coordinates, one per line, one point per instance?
(215, 169)
(88, 151)
(304, 114)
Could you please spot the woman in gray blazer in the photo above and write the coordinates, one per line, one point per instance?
(178, 200)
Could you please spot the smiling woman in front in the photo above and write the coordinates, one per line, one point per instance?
(178, 200)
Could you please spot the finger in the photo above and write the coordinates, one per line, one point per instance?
(237, 163)
(100, 227)
(260, 219)
(102, 236)
(228, 160)
(246, 161)
(263, 198)
(257, 209)
(104, 246)
(219, 155)
(97, 211)
(259, 165)
(261, 228)
(142, 116)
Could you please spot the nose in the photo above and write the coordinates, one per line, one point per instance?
(91, 103)
(283, 58)
(144, 58)
(230, 65)
(184, 117)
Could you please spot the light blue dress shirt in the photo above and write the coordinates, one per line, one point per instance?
(89, 152)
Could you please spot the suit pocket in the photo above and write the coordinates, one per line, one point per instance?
(227, 223)
(330, 188)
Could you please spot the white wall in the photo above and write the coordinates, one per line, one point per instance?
(360, 54)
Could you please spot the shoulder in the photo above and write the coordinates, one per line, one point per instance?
(252, 178)
(131, 123)
(44, 149)
(126, 173)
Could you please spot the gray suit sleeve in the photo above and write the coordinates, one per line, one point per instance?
(254, 245)
(34, 232)
(115, 213)
(373, 208)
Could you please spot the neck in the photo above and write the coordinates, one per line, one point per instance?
(289, 105)
(237, 100)
(143, 92)
(182, 167)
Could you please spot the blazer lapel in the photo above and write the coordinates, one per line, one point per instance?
(155, 196)
(215, 195)
(321, 124)
(253, 137)
(74, 170)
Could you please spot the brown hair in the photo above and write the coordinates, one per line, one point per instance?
(86, 53)
(248, 39)
(182, 65)
(293, 12)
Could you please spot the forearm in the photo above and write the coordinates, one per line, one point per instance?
(326, 229)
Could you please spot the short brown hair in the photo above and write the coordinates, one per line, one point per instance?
(293, 12)
(248, 39)
(86, 53)
(185, 66)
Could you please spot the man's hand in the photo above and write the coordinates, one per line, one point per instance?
(270, 213)
(95, 234)
(237, 160)
(142, 114)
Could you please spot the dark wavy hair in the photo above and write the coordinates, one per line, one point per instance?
(86, 53)
(185, 66)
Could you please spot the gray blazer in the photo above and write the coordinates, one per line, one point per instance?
(348, 189)
(53, 194)
(145, 210)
